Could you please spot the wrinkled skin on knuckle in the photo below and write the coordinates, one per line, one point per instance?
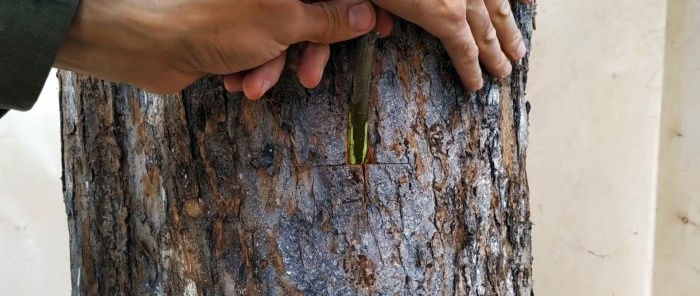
(504, 11)
(288, 27)
(489, 35)
(454, 13)
(502, 69)
(452, 10)
(469, 51)
(445, 18)
(331, 23)
(513, 42)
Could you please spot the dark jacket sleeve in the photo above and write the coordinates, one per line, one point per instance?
(31, 32)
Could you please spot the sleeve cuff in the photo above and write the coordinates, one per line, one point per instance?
(31, 33)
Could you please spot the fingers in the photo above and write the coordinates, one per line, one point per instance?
(446, 20)
(334, 21)
(259, 80)
(438, 17)
(315, 56)
(490, 53)
(465, 56)
(234, 82)
(385, 23)
(312, 63)
(507, 30)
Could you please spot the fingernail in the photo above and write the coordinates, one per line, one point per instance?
(521, 51)
(265, 86)
(360, 17)
(476, 84)
(319, 76)
(507, 69)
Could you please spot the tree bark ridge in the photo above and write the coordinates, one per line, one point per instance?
(206, 193)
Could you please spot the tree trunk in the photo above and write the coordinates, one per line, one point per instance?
(206, 193)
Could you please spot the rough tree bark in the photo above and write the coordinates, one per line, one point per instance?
(205, 193)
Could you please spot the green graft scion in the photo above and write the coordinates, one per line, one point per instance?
(358, 117)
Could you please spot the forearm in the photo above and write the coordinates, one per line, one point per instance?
(30, 33)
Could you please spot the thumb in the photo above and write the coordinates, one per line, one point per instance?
(336, 20)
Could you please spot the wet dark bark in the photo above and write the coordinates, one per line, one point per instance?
(205, 193)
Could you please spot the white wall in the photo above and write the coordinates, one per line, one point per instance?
(677, 264)
(33, 227)
(596, 88)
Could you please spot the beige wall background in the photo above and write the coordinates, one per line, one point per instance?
(33, 226)
(600, 140)
(596, 90)
(677, 256)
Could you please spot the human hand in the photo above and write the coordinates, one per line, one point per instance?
(256, 82)
(470, 30)
(164, 46)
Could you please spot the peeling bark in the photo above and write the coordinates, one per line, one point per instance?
(205, 193)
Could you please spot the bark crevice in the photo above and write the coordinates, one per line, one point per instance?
(205, 193)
